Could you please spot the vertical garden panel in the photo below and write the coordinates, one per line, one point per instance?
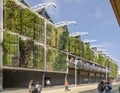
(87, 51)
(58, 36)
(26, 52)
(82, 50)
(60, 62)
(72, 44)
(51, 56)
(49, 31)
(77, 47)
(38, 56)
(10, 49)
(56, 60)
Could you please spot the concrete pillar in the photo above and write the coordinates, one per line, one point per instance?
(95, 78)
(43, 79)
(79, 79)
(66, 76)
(88, 77)
(1, 80)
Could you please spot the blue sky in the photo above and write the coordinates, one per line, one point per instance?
(93, 16)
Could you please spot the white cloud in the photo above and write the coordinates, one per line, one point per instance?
(71, 1)
(98, 14)
(109, 45)
(109, 22)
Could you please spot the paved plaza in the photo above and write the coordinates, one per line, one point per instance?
(57, 89)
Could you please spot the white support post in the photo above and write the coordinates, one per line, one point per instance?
(1, 32)
(106, 73)
(45, 40)
(75, 76)
(66, 76)
(1, 40)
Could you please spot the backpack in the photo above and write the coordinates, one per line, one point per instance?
(101, 87)
(109, 87)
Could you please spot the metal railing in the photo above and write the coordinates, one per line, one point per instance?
(88, 66)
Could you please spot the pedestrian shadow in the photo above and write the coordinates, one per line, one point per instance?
(89, 91)
(7, 90)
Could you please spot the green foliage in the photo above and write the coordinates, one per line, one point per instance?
(71, 45)
(82, 52)
(114, 70)
(23, 21)
(99, 60)
(26, 52)
(87, 52)
(49, 34)
(51, 56)
(77, 47)
(63, 40)
(10, 47)
(38, 56)
(60, 62)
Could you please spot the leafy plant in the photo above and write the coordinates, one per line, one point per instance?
(60, 62)
(87, 51)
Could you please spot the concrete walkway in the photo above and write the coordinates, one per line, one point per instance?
(57, 89)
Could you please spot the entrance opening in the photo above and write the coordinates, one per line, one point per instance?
(13, 78)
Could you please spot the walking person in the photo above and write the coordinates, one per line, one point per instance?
(32, 88)
(108, 87)
(66, 84)
(39, 87)
(101, 87)
(48, 82)
(30, 85)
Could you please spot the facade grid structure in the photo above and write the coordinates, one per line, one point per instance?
(33, 47)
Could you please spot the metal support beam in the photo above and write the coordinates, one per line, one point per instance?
(65, 23)
(43, 79)
(39, 7)
(66, 75)
(78, 34)
(88, 41)
(45, 41)
(75, 76)
(106, 73)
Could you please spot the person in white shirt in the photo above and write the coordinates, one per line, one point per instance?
(39, 87)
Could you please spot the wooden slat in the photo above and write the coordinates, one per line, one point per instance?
(116, 7)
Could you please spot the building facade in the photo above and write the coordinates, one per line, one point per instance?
(33, 48)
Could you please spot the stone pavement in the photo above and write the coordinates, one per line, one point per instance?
(73, 89)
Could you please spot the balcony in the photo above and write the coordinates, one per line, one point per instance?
(87, 66)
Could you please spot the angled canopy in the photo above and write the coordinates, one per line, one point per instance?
(116, 7)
